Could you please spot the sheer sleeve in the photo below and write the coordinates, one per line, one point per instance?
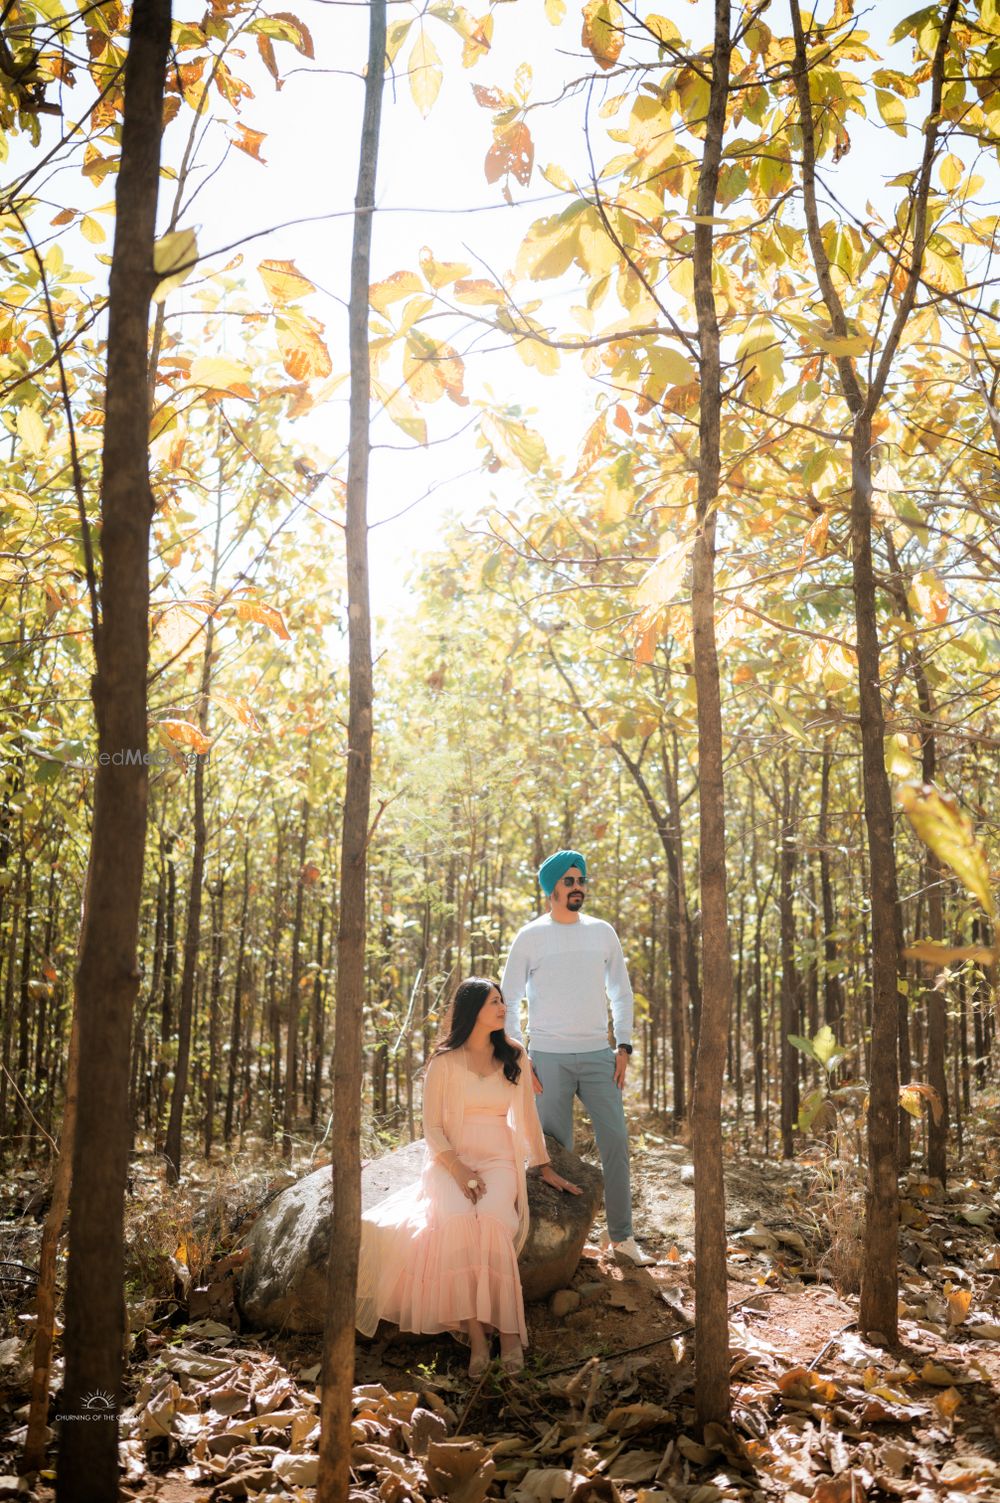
(528, 1112)
(434, 1092)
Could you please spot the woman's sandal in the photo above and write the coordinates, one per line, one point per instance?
(513, 1362)
(478, 1365)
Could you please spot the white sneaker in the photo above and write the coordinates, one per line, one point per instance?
(631, 1249)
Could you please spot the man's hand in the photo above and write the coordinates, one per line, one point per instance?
(536, 1084)
(621, 1066)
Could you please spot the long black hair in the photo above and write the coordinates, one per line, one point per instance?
(466, 1005)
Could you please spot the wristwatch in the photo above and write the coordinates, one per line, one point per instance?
(626, 1047)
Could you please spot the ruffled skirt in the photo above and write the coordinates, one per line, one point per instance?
(431, 1261)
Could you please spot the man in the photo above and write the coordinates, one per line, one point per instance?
(568, 964)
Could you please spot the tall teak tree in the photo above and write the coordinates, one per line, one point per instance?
(107, 977)
(345, 1231)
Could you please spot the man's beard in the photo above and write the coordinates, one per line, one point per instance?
(575, 900)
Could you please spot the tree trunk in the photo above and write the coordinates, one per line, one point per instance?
(833, 993)
(173, 1147)
(294, 1001)
(107, 977)
(712, 1320)
(789, 975)
(215, 988)
(345, 1231)
(236, 1030)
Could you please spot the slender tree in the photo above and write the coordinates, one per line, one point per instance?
(711, 1308)
(107, 975)
(880, 1279)
(338, 1344)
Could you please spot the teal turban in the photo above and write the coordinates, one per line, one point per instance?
(557, 866)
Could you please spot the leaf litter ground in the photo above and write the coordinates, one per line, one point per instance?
(604, 1410)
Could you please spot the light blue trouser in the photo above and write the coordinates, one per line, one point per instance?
(591, 1077)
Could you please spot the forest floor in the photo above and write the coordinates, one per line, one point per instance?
(604, 1409)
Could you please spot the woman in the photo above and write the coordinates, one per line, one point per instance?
(441, 1255)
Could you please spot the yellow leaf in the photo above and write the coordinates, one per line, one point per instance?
(479, 292)
(911, 1095)
(220, 374)
(402, 412)
(303, 352)
(92, 231)
(265, 615)
(951, 170)
(401, 284)
(931, 952)
(662, 581)
(284, 282)
(432, 370)
(31, 431)
(174, 258)
(440, 273)
(949, 833)
(513, 442)
(940, 1376)
(237, 709)
(554, 11)
(899, 760)
(603, 31)
(670, 366)
(425, 73)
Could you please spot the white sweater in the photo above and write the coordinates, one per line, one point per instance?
(567, 972)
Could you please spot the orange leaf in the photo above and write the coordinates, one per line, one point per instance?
(266, 49)
(847, 1488)
(492, 99)
(266, 615)
(594, 443)
(303, 41)
(250, 141)
(930, 597)
(816, 535)
(183, 733)
(959, 1301)
(513, 151)
(64, 216)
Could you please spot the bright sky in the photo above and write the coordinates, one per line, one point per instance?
(432, 191)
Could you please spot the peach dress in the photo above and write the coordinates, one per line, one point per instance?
(430, 1259)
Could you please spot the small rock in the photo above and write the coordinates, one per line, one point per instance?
(564, 1302)
(590, 1290)
(687, 1174)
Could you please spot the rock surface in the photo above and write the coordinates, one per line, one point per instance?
(283, 1287)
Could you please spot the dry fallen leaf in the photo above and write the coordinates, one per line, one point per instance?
(847, 1488)
(460, 1470)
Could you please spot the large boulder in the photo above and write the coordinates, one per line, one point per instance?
(283, 1287)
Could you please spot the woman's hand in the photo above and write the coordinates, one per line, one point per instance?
(549, 1175)
(469, 1181)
